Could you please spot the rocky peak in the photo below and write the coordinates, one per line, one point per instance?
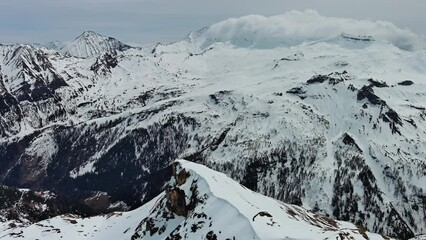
(88, 34)
(90, 44)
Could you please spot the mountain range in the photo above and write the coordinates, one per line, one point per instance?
(331, 122)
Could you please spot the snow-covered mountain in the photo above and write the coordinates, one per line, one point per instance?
(89, 44)
(198, 203)
(331, 119)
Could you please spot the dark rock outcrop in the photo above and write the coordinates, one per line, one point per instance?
(348, 140)
(406, 83)
(332, 78)
(367, 92)
(104, 64)
(176, 201)
(21, 205)
(378, 84)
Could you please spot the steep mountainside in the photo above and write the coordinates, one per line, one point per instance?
(332, 119)
(198, 203)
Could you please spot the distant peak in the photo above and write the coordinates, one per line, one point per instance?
(90, 44)
(89, 33)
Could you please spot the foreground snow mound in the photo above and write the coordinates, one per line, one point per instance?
(296, 27)
(198, 203)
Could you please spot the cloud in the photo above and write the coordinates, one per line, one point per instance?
(150, 21)
(295, 27)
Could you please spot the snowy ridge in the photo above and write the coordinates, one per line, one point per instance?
(268, 218)
(198, 203)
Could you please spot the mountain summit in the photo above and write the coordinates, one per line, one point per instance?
(90, 44)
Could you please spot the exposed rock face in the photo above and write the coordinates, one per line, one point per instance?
(176, 197)
(297, 90)
(378, 84)
(176, 202)
(104, 64)
(99, 202)
(33, 206)
(348, 140)
(406, 83)
(180, 176)
(332, 78)
(357, 37)
(367, 92)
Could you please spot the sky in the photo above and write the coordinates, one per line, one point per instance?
(151, 21)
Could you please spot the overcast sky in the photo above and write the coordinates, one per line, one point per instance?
(150, 21)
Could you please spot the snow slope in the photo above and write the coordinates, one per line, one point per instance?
(198, 203)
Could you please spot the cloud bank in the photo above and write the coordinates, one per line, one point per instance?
(296, 27)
